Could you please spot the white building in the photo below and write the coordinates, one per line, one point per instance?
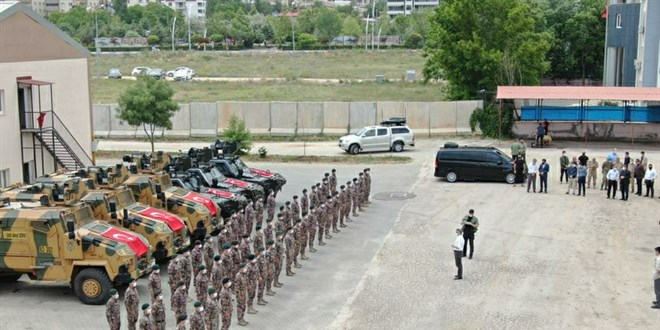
(195, 9)
(406, 7)
(43, 7)
(45, 106)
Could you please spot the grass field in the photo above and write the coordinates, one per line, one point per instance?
(107, 91)
(337, 64)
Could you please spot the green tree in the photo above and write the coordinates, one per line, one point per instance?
(328, 25)
(474, 49)
(120, 7)
(351, 27)
(153, 39)
(305, 40)
(237, 132)
(148, 103)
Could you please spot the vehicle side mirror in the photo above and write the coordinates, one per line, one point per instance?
(70, 227)
(113, 206)
(161, 197)
(214, 182)
(125, 214)
(159, 188)
(170, 204)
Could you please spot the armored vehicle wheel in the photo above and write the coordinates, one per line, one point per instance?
(397, 147)
(9, 278)
(92, 286)
(452, 177)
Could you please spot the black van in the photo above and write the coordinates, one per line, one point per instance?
(473, 163)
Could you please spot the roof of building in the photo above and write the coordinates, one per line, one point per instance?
(579, 93)
(9, 8)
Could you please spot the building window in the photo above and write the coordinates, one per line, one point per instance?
(617, 21)
(2, 101)
(4, 178)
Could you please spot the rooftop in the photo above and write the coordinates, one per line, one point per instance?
(579, 93)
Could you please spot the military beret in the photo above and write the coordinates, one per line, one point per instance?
(342, 186)
(361, 174)
(295, 196)
(281, 207)
(226, 246)
(288, 228)
(311, 207)
(208, 237)
(250, 256)
(258, 227)
(225, 280)
(211, 290)
(327, 174)
(279, 232)
(242, 265)
(216, 258)
(318, 184)
(297, 221)
(246, 236)
(155, 267)
(157, 293)
(113, 292)
(180, 283)
(348, 182)
(201, 267)
(313, 186)
(182, 317)
(287, 203)
(270, 242)
(198, 304)
(354, 179)
(261, 248)
(334, 170)
(325, 179)
(234, 242)
(305, 190)
(321, 202)
(269, 220)
(145, 306)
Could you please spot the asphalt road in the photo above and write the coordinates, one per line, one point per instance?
(542, 261)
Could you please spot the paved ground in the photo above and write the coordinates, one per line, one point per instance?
(543, 261)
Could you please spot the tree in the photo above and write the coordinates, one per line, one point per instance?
(474, 49)
(237, 132)
(328, 25)
(153, 39)
(352, 27)
(148, 103)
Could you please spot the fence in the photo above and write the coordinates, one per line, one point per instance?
(289, 118)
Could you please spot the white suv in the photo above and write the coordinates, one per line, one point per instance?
(391, 135)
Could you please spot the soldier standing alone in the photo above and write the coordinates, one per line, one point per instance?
(112, 312)
(132, 303)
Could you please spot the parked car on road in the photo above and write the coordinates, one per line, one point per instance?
(171, 72)
(138, 70)
(114, 74)
(391, 135)
(454, 163)
(184, 74)
(156, 73)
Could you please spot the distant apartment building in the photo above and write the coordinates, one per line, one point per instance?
(195, 9)
(632, 43)
(43, 7)
(406, 7)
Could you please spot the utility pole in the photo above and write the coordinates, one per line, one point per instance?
(173, 28)
(373, 24)
(366, 34)
(188, 14)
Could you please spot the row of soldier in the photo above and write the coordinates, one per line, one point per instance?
(250, 266)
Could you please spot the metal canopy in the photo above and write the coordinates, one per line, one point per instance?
(579, 93)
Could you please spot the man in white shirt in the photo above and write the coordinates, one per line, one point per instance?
(459, 242)
(649, 180)
(656, 279)
(612, 181)
(532, 170)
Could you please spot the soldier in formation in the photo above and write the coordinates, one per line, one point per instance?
(132, 303)
(226, 306)
(179, 299)
(209, 253)
(197, 320)
(112, 312)
(251, 276)
(270, 205)
(212, 311)
(145, 320)
(181, 322)
(240, 291)
(201, 283)
(154, 281)
(259, 211)
(158, 311)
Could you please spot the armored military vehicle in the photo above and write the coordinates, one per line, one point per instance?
(228, 201)
(68, 244)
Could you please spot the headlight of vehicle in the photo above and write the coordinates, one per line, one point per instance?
(125, 251)
(160, 227)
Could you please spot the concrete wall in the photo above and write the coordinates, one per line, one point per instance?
(288, 118)
(594, 131)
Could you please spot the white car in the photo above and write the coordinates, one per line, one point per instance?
(171, 72)
(391, 135)
(138, 70)
(184, 74)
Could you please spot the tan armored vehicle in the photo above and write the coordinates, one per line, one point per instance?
(68, 244)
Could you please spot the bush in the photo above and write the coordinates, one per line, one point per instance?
(237, 132)
(414, 40)
(489, 122)
(153, 39)
(305, 40)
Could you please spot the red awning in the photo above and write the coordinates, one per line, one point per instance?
(579, 93)
(30, 81)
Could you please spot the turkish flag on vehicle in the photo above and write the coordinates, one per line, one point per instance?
(170, 219)
(261, 172)
(128, 238)
(220, 193)
(210, 205)
(239, 183)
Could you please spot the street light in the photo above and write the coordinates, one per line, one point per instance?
(173, 27)
(293, 30)
(188, 15)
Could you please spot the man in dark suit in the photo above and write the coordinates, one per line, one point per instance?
(544, 169)
(624, 178)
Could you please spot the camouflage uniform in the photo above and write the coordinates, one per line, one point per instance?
(240, 290)
(249, 218)
(158, 315)
(335, 212)
(320, 221)
(212, 313)
(197, 321)
(226, 308)
(332, 180)
(179, 301)
(304, 236)
(259, 212)
(279, 254)
(349, 200)
(297, 238)
(288, 244)
(153, 284)
(113, 314)
(235, 256)
(606, 167)
(258, 240)
(262, 275)
(270, 205)
(356, 197)
(342, 206)
(145, 323)
(268, 231)
(209, 252)
(319, 193)
(269, 257)
(329, 211)
(201, 285)
(367, 177)
(245, 249)
(251, 276)
(217, 274)
(314, 198)
(227, 264)
(287, 215)
(185, 268)
(295, 209)
(304, 203)
(173, 274)
(311, 229)
(131, 301)
(240, 224)
(197, 257)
